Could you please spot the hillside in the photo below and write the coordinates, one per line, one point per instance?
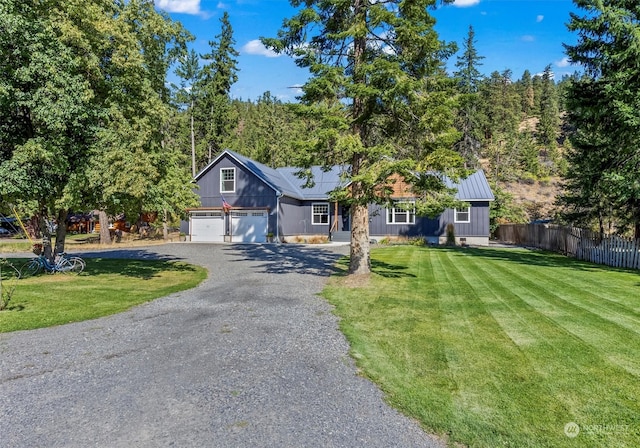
(537, 197)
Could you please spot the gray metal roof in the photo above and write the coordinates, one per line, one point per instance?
(473, 188)
(286, 181)
(323, 181)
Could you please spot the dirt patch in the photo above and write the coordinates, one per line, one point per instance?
(356, 280)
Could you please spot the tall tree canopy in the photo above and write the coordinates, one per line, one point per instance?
(469, 113)
(379, 91)
(215, 115)
(604, 107)
(83, 106)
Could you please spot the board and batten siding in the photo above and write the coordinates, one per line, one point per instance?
(431, 228)
(378, 225)
(250, 190)
(479, 225)
(296, 218)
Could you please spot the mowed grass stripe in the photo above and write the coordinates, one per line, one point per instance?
(493, 372)
(478, 358)
(564, 304)
(580, 376)
(545, 337)
(616, 300)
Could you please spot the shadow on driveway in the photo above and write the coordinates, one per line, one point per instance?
(285, 259)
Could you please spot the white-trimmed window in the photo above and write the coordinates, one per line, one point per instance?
(403, 212)
(320, 214)
(227, 180)
(462, 215)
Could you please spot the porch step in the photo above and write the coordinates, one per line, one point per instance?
(341, 237)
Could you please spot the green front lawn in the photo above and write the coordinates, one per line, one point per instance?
(500, 347)
(105, 287)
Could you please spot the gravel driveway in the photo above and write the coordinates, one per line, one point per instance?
(250, 358)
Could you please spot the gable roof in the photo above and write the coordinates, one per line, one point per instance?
(286, 182)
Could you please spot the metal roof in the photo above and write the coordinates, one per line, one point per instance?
(286, 181)
(324, 181)
(473, 188)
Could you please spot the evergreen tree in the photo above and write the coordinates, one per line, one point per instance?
(468, 75)
(219, 73)
(549, 122)
(604, 108)
(375, 69)
(527, 93)
(186, 94)
(468, 119)
(501, 118)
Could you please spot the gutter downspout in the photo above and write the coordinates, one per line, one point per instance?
(278, 196)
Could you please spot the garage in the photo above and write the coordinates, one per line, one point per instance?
(207, 226)
(249, 226)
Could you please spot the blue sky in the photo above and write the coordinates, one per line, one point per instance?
(511, 34)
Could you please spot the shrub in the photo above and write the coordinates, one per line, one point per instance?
(451, 235)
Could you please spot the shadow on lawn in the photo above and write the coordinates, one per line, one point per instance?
(389, 270)
(531, 257)
(143, 269)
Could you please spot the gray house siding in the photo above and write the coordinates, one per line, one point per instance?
(250, 190)
(378, 225)
(479, 225)
(296, 218)
(427, 227)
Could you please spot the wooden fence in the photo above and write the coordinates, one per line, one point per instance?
(574, 242)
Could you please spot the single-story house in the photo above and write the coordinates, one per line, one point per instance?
(245, 201)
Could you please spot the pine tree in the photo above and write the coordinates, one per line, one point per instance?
(186, 94)
(468, 119)
(604, 108)
(527, 93)
(548, 125)
(468, 75)
(376, 68)
(219, 73)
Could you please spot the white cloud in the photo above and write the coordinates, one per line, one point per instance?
(539, 18)
(564, 62)
(256, 47)
(180, 6)
(465, 3)
(528, 38)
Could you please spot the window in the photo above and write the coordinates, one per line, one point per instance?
(403, 212)
(320, 214)
(462, 215)
(227, 180)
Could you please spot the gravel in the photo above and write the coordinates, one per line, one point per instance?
(250, 358)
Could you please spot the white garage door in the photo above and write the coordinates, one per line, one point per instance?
(249, 226)
(207, 226)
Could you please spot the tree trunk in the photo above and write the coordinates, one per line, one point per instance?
(61, 232)
(193, 145)
(360, 255)
(105, 236)
(165, 226)
(47, 250)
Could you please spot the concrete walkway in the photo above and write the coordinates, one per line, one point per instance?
(250, 358)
